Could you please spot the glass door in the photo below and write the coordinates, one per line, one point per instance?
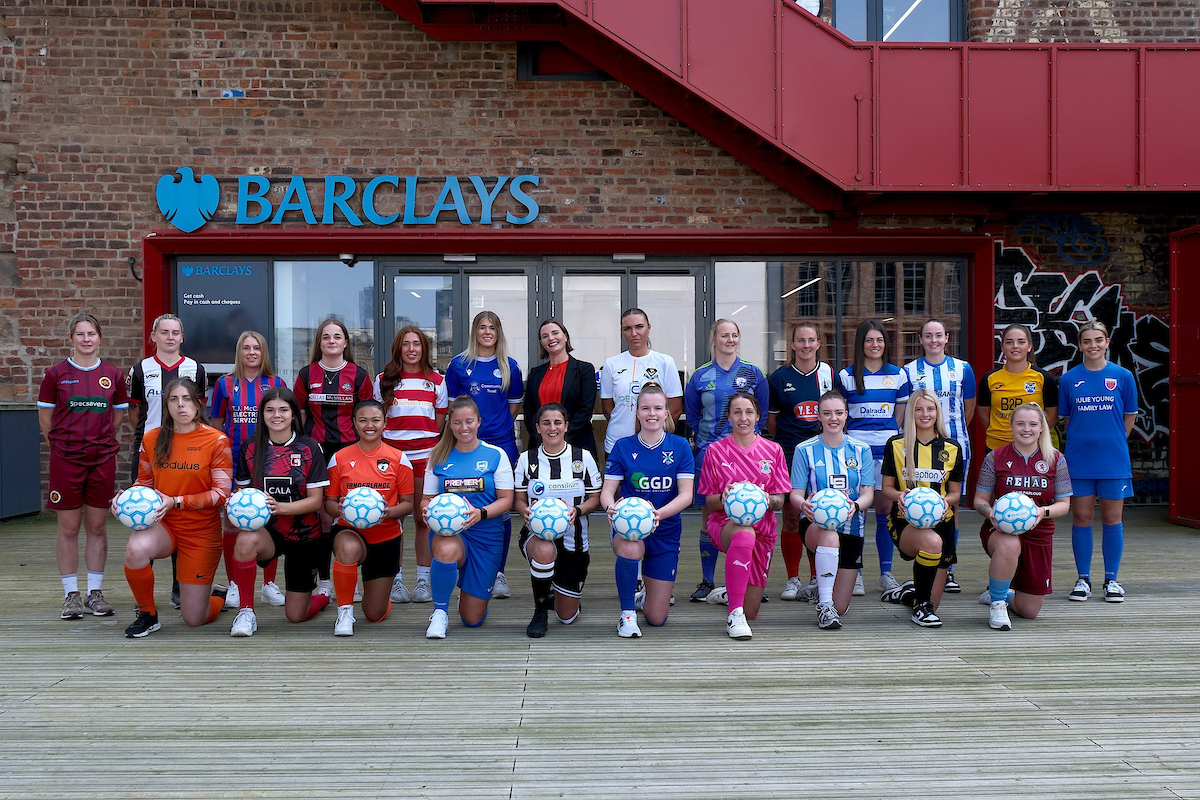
(424, 300)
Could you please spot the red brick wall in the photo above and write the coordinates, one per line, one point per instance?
(1083, 21)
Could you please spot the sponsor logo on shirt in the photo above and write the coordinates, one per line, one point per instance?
(1079, 383)
(463, 485)
(181, 465)
(806, 411)
(87, 404)
(106, 383)
(332, 399)
(643, 482)
(880, 411)
(1109, 383)
(839, 482)
(927, 475)
(537, 488)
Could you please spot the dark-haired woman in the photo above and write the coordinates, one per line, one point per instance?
(1017, 382)
(188, 463)
(290, 468)
(876, 391)
(561, 379)
(414, 394)
(328, 390)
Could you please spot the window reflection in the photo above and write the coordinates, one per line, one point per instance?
(307, 292)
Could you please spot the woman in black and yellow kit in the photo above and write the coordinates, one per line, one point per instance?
(1016, 382)
(924, 455)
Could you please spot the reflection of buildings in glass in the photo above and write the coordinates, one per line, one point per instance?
(444, 335)
(362, 339)
(366, 303)
(901, 294)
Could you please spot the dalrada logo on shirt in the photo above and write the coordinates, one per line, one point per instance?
(189, 201)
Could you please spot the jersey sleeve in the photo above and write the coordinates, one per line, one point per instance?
(710, 481)
(987, 474)
(800, 470)
(866, 467)
(1062, 478)
(685, 459)
(692, 404)
(781, 481)
(145, 466)
(968, 382)
(334, 488)
(844, 380)
(1049, 389)
(407, 483)
(762, 393)
(318, 473)
(201, 379)
(135, 384)
(503, 477)
(614, 465)
(300, 388)
(591, 473)
(441, 398)
(453, 384)
(1129, 394)
(220, 399)
(516, 383)
(606, 381)
(241, 471)
(774, 401)
(671, 384)
(985, 393)
(220, 478)
(520, 472)
(48, 392)
(366, 388)
(888, 468)
(376, 389)
(431, 486)
(903, 389)
(958, 471)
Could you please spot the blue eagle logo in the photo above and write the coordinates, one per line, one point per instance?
(187, 203)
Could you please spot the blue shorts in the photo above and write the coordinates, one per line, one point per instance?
(661, 561)
(481, 563)
(1106, 488)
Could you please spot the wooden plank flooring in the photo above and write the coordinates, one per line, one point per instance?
(1093, 700)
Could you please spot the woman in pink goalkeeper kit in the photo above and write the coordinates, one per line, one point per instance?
(744, 456)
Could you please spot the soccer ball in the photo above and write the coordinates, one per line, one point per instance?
(247, 509)
(363, 507)
(746, 503)
(923, 507)
(548, 520)
(831, 509)
(634, 519)
(136, 505)
(447, 514)
(1015, 513)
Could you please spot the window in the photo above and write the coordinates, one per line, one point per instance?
(914, 287)
(885, 288)
(741, 295)
(900, 20)
(307, 292)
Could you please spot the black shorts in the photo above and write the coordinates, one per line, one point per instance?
(383, 558)
(944, 529)
(570, 566)
(850, 550)
(300, 560)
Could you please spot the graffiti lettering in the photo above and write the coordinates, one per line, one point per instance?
(1078, 239)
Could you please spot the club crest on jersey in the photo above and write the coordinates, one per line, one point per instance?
(429, 386)
(668, 457)
(943, 456)
(650, 374)
(1109, 383)
(1042, 467)
(1030, 387)
(764, 467)
(295, 459)
(496, 372)
(315, 385)
(346, 387)
(106, 382)
(382, 465)
(481, 466)
(577, 466)
(852, 463)
(739, 382)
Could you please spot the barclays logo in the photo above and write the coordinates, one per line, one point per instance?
(187, 203)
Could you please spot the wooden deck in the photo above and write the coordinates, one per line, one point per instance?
(1093, 700)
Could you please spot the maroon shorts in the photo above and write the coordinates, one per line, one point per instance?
(1033, 565)
(75, 485)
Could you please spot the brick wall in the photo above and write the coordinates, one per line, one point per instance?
(1083, 21)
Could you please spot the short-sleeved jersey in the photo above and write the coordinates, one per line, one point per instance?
(1096, 403)
(328, 398)
(480, 379)
(289, 471)
(198, 469)
(652, 472)
(1005, 470)
(939, 463)
(148, 380)
(475, 476)
(570, 476)
(761, 463)
(412, 425)
(872, 408)
(847, 468)
(236, 402)
(384, 469)
(793, 401)
(1002, 391)
(82, 400)
(706, 398)
(953, 381)
(621, 380)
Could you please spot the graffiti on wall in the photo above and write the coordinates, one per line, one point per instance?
(1052, 304)
(1078, 239)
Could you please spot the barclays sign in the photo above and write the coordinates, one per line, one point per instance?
(189, 202)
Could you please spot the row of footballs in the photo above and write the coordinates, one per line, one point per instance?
(745, 504)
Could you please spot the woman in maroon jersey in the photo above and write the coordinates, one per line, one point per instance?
(1030, 465)
(328, 389)
(81, 405)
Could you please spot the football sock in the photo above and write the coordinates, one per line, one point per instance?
(399, 575)
(70, 584)
(270, 571)
(422, 573)
(345, 579)
(708, 558)
(737, 567)
(386, 611)
(541, 576)
(1111, 545)
(572, 618)
(924, 572)
(244, 573)
(141, 583)
(626, 575)
(826, 561)
(215, 604)
(442, 578)
(1081, 547)
(316, 604)
(507, 542)
(94, 581)
(792, 547)
(998, 589)
(883, 543)
(474, 624)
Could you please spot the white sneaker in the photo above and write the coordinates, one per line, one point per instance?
(887, 582)
(985, 599)
(345, 621)
(233, 599)
(1082, 591)
(998, 616)
(737, 626)
(245, 623)
(718, 597)
(859, 589)
(500, 590)
(810, 592)
(639, 597)
(438, 623)
(400, 591)
(324, 587)
(1113, 593)
(791, 591)
(358, 592)
(627, 627)
(828, 618)
(271, 594)
(421, 592)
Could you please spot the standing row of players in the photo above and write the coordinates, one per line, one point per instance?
(413, 394)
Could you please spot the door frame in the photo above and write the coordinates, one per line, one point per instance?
(1184, 380)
